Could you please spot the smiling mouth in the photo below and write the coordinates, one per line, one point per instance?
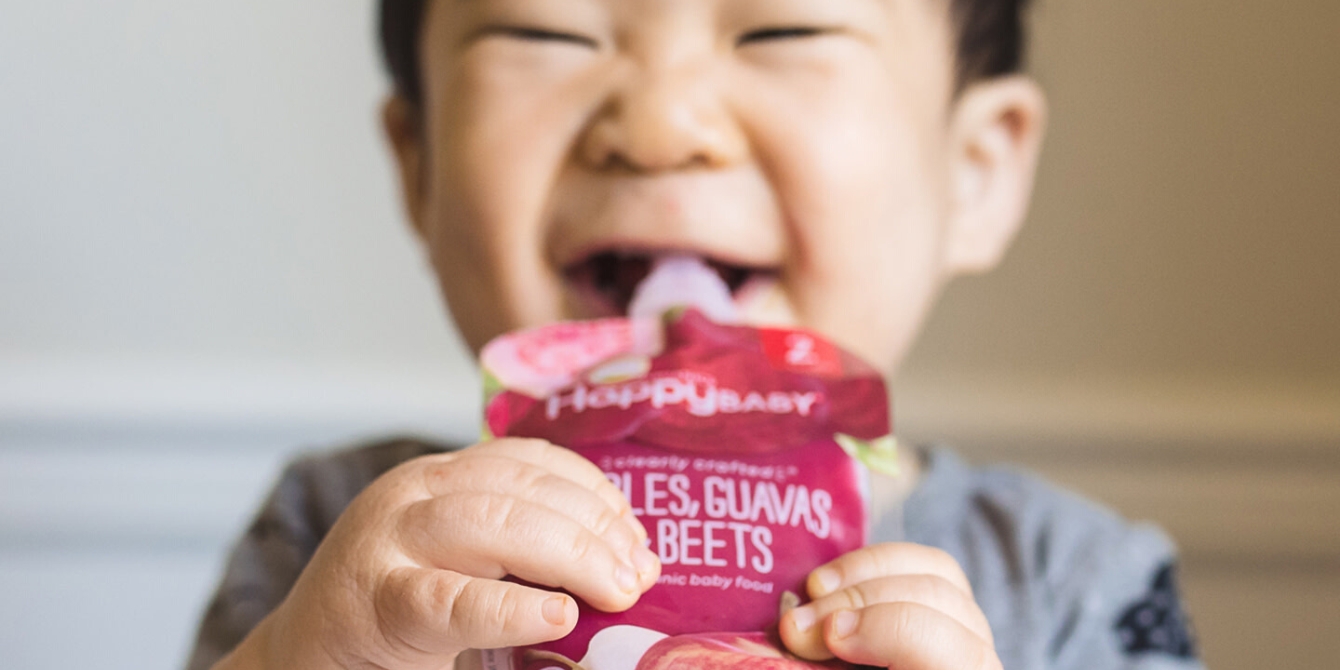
(606, 281)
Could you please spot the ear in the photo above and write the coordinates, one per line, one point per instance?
(404, 132)
(996, 135)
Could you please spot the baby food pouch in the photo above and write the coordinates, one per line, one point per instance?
(742, 450)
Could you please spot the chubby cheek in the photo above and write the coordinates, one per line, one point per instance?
(869, 288)
(874, 272)
(873, 303)
(867, 206)
(499, 140)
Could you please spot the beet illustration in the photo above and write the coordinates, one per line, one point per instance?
(719, 651)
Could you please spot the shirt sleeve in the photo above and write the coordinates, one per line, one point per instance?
(264, 564)
(1121, 609)
(1065, 583)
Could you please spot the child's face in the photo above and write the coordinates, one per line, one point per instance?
(812, 149)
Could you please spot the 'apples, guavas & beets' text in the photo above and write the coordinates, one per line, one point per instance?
(739, 516)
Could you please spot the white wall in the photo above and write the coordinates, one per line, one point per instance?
(202, 180)
(203, 268)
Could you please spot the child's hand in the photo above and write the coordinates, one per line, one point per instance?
(901, 606)
(410, 575)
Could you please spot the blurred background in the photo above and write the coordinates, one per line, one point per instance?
(203, 270)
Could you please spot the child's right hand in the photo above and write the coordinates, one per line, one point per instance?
(411, 574)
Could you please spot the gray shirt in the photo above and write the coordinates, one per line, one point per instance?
(1065, 584)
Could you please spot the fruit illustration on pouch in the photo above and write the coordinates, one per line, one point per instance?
(712, 651)
(619, 648)
(636, 648)
(714, 390)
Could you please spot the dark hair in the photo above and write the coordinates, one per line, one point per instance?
(990, 40)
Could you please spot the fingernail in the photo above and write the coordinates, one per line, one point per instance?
(828, 581)
(802, 618)
(555, 610)
(626, 579)
(643, 560)
(844, 623)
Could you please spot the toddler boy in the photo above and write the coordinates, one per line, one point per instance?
(837, 161)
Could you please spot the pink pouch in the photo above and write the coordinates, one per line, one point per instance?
(741, 450)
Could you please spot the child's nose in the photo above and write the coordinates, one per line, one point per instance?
(665, 119)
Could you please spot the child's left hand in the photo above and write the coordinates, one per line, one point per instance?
(901, 606)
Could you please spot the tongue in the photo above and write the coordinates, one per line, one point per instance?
(683, 281)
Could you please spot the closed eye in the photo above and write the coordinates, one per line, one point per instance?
(530, 34)
(778, 34)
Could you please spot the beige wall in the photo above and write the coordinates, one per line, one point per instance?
(1187, 218)
(1166, 334)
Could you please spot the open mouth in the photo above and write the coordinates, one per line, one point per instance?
(607, 281)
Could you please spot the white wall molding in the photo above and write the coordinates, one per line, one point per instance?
(160, 452)
(99, 453)
(1205, 416)
(155, 393)
(1240, 472)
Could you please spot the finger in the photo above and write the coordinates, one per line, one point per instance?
(489, 473)
(439, 612)
(907, 636)
(563, 462)
(883, 560)
(491, 535)
(802, 628)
